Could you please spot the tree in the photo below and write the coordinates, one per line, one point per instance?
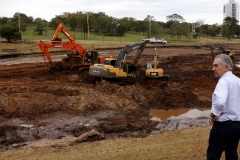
(198, 28)
(40, 26)
(10, 31)
(99, 24)
(213, 30)
(237, 33)
(142, 26)
(172, 22)
(204, 29)
(149, 19)
(157, 30)
(72, 21)
(4, 20)
(23, 20)
(132, 23)
(175, 18)
(179, 30)
(84, 25)
(56, 21)
(230, 26)
(22, 17)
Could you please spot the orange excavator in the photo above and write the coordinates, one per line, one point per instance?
(82, 58)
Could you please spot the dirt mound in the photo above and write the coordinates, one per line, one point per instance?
(161, 95)
(203, 83)
(32, 101)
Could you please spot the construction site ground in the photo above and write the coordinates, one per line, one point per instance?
(40, 106)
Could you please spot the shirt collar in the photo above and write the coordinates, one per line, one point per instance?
(226, 74)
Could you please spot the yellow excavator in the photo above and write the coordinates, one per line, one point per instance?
(119, 68)
(152, 70)
(220, 47)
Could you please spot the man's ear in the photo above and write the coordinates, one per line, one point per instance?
(226, 67)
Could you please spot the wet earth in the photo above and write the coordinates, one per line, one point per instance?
(41, 107)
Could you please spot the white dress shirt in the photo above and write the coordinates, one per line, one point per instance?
(226, 98)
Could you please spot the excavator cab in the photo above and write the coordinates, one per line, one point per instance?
(91, 57)
(149, 65)
(109, 61)
(75, 52)
(230, 53)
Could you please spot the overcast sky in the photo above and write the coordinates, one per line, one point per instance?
(210, 12)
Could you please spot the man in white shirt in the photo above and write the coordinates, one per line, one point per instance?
(225, 111)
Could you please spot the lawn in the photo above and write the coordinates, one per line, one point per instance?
(29, 43)
(29, 35)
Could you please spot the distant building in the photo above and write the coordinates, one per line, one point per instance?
(231, 9)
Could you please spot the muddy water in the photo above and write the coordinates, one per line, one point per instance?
(16, 132)
(28, 59)
(180, 119)
(180, 113)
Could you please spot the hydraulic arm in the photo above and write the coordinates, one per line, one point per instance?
(63, 29)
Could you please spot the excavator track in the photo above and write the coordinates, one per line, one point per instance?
(163, 78)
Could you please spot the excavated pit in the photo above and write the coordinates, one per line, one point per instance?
(41, 105)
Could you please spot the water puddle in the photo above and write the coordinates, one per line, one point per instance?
(32, 59)
(179, 114)
(27, 125)
(180, 119)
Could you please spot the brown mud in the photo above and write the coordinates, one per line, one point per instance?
(38, 103)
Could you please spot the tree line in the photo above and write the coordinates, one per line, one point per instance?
(11, 28)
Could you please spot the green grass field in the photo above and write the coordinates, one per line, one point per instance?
(29, 35)
(29, 43)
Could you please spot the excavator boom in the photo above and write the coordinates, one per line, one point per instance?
(63, 29)
(128, 49)
(72, 46)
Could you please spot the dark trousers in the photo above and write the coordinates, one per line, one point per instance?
(224, 136)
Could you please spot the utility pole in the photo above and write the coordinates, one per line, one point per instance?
(193, 29)
(18, 20)
(149, 27)
(88, 25)
(150, 18)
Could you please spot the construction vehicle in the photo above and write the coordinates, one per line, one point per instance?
(152, 70)
(123, 70)
(78, 56)
(221, 47)
(119, 68)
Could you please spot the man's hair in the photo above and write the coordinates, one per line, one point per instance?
(225, 60)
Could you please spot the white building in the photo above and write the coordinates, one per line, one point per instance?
(231, 9)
